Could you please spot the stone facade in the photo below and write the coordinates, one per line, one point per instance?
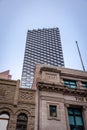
(15, 100)
(51, 90)
(48, 102)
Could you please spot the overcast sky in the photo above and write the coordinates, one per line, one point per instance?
(17, 16)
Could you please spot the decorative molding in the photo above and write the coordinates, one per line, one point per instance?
(16, 93)
(60, 88)
(66, 105)
(23, 111)
(26, 97)
(84, 108)
(6, 109)
(49, 69)
(73, 75)
(8, 82)
(58, 117)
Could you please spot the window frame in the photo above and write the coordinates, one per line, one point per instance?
(5, 118)
(57, 117)
(70, 83)
(53, 110)
(22, 121)
(74, 115)
(84, 84)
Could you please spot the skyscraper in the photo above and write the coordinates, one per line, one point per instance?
(43, 46)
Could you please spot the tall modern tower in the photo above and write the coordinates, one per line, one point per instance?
(43, 46)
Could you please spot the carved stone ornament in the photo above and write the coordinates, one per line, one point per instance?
(60, 88)
(66, 105)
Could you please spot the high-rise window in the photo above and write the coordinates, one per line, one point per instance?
(38, 51)
(75, 119)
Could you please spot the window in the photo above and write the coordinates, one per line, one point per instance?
(75, 119)
(21, 122)
(84, 84)
(53, 111)
(4, 118)
(70, 83)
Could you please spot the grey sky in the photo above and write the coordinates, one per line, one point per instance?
(17, 16)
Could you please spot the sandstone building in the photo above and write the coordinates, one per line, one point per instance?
(17, 106)
(61, 98)
(57, 101)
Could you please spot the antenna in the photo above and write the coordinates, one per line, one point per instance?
(80, 56)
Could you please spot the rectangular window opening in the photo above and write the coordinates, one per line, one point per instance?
(70, 83)
(75, 119)
(84, 84)
(53, 110)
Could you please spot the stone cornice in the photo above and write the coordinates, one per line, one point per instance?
(74, 76)
(60, 88)
(65, 72)
(50, 70)
(27, 89)
(8, 82)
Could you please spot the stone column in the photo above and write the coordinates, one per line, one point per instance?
(12, 123)
(16, 93)
(66, 114)
(79, 85)
(85, 116)
(30, 124)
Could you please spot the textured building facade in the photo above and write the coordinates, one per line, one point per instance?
(57, 101)
(17, 106)
(43, 46)
(61, 100)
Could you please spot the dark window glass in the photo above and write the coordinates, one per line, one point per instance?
(53, 111)
(84, 84)
(21, 122)
(75, 119)
(70, 83)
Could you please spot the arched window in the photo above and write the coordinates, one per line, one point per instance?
(4, 117)
(21, 122)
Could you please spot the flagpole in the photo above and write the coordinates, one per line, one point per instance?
(80, 56)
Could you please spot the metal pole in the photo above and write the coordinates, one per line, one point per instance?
(80, 57)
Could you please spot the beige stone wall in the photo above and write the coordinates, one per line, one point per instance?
(48, 89)
(49, 81)
(63, 101)
(45, 122)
